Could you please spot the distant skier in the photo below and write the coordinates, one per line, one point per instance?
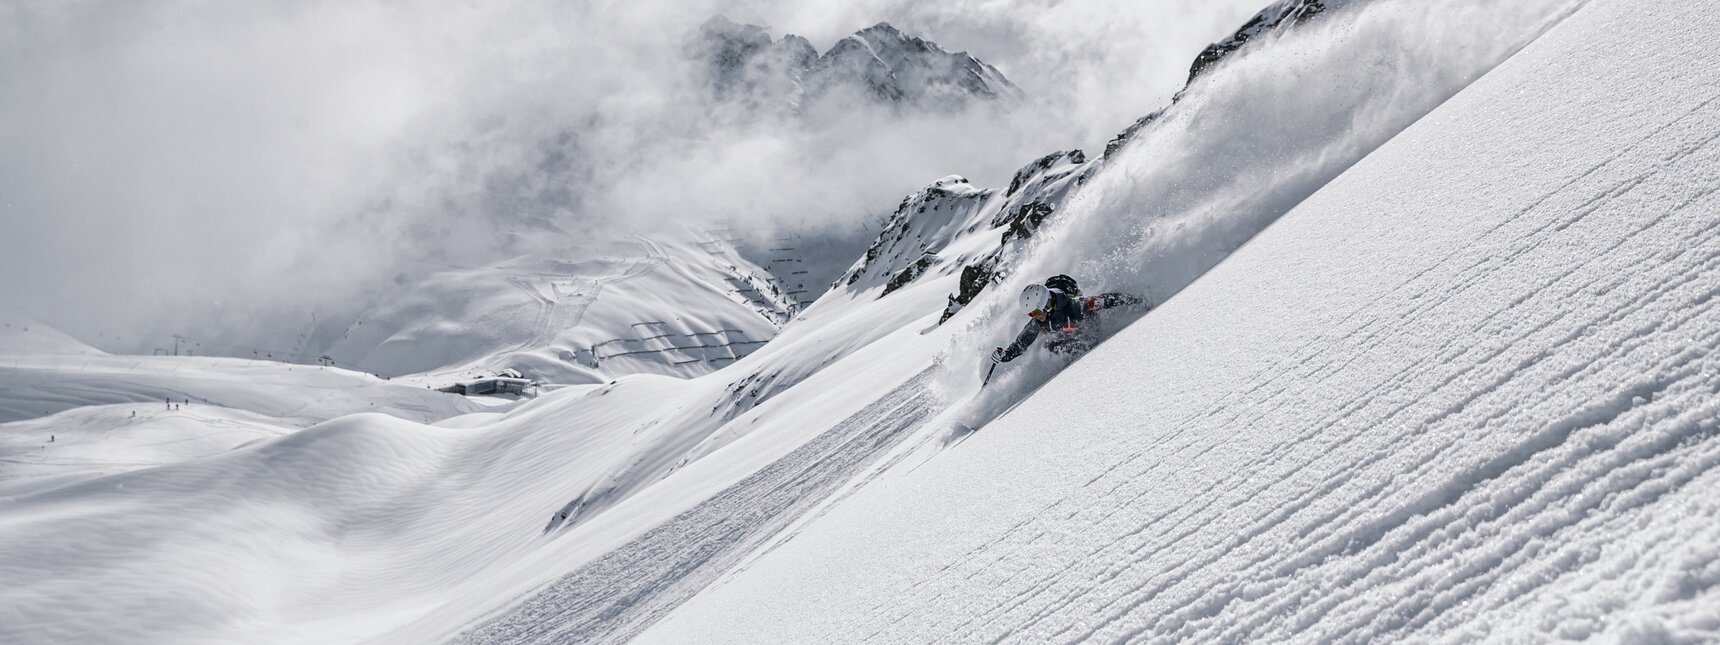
(1058, 308)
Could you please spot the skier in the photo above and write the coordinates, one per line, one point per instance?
(1058, 308)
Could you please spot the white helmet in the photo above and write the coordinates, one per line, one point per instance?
(1035, 296)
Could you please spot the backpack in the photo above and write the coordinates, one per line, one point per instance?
(1064, 284)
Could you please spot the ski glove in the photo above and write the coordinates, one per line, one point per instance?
(997, 356)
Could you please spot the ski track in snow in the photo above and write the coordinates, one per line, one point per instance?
(552, 317)
(620, 594)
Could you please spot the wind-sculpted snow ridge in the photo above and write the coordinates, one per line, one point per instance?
(1467, 392)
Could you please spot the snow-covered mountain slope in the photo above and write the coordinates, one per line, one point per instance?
(20, 335)
(1465, 392)
(746, 65)
(878, 63)
(954, 228)
(896, 67)
(677, 304)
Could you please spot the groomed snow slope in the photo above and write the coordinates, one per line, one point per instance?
(69, 411)
(42, 373)
(1467, 391)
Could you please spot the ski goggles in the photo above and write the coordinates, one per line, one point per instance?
(1037, 314)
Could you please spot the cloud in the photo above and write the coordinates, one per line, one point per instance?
(172, 158)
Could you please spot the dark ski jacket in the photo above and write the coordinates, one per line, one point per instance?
(1066, 316)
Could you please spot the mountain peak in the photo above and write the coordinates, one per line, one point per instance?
(880, 63)
(720, 27)
(881, 29)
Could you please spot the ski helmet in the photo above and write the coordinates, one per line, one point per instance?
(1035, 297)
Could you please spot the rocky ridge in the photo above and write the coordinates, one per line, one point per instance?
(879, 63)
(952, 226)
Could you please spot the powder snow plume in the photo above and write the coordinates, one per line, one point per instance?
(1240, 148)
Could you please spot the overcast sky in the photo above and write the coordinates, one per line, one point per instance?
(159, 155)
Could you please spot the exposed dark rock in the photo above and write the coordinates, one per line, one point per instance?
(1278, 14)
(975, 278)
(1116, 143)
(909, 274)
(1025, 220)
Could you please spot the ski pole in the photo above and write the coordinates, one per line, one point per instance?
(988, 375)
